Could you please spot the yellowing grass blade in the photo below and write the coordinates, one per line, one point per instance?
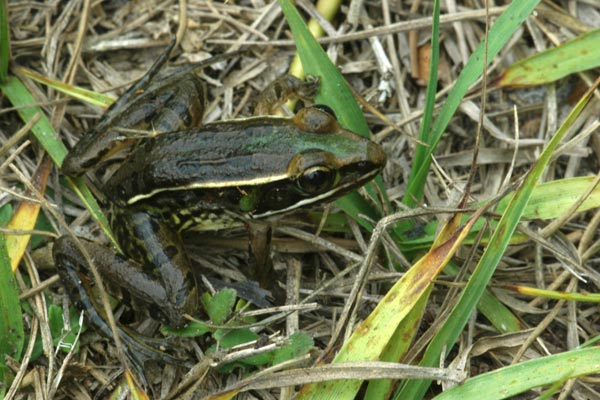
(26, 215)
(372, 336)
(85, 95)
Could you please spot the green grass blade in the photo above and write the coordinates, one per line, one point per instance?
(508, 382)
(548, 66)
(12, 334)
(85, 95)
(334, 90)
(449, 332)
(548, 200)
(4, 41)
(20, 97)
(426, 137)
(499, 34)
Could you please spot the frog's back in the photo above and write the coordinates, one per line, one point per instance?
(206, 157)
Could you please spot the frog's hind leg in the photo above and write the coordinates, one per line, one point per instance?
(165, 267)
(72, 270)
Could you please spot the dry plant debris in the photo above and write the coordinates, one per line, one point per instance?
(383, 50)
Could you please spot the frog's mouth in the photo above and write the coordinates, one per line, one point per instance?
(335, 192)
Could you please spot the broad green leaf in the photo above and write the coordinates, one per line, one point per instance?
(576, 55)
(508, 382)
(12, 335)
(300, 343)
(220, 306)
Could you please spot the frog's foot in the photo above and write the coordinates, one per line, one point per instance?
(283, 89)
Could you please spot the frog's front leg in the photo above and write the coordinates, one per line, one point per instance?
(165, 280)
(260, 262)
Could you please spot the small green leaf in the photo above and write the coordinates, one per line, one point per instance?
(240, 336)
(193, 329)
(220, 306)
(300, 343)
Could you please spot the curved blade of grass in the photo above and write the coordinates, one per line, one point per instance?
(26, 214)
(426, 138)
(453, 326)
(509, 381)
(20, 98)
(499, 34)
(335, 93)
(328, 9)
(548, 200)
(4, 41)
(88, 96)
(12, 334)
(334, 90)
(578, 54)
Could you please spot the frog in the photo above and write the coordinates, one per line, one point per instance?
(182, 175)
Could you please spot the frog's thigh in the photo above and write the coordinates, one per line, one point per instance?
(160, 251)
(112, 266)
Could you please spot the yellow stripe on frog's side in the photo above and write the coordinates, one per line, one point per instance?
(209, 185)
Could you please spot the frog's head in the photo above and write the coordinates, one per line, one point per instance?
(324, 161)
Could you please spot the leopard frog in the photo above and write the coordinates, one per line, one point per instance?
(186, 176)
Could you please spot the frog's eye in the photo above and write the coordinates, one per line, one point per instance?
(316, 179)
(316, 119)
(324, 108)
